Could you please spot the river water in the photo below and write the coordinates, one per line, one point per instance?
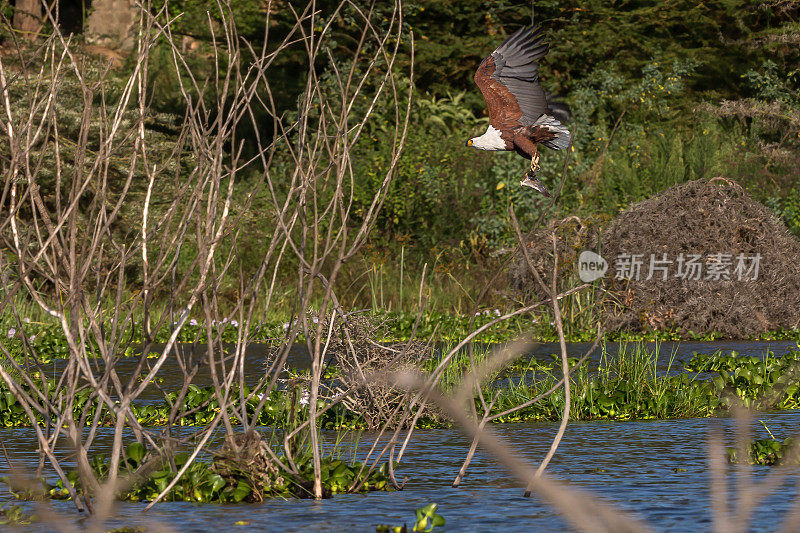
(657, 470)
(256, 356)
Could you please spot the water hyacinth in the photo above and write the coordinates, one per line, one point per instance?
(222, 480)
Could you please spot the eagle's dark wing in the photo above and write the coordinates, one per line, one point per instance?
(509, 80)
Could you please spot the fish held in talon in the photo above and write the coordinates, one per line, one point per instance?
(534, 182)
(519, 117)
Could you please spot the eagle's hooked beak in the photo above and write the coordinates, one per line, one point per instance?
(469, 142)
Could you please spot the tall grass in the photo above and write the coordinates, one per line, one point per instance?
(625, 384)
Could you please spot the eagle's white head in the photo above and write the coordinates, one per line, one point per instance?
(491, 140)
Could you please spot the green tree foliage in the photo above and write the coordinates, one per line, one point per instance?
(660, 91)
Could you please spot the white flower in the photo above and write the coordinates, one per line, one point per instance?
(11, 333)
(304, 396)
(314, 319)
(33, 338)
(193, 322)
(497, 312)
(26, 320)
(286, 325)
(234, 323)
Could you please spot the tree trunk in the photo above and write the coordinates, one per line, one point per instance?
(112, 24)
(28, 18)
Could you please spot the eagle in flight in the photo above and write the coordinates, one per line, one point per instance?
(518, 112)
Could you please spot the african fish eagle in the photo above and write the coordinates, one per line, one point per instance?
(518, 113)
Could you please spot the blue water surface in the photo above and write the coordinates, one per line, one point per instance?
(632, 465)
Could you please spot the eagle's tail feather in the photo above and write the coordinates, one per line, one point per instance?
(561, 141)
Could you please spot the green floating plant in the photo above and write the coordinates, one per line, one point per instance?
(767, 452)
(13, 515)
(229, 478)
(426, 520)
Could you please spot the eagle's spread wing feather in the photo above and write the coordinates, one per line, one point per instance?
(509, 80)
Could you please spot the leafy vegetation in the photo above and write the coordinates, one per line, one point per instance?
(197, 407)
(765, 383)
(625, 386)
(633, 383)
(702, 90)
(49, 343)
(218, 481)
(426, 520)
(14, 515)
(765, 452)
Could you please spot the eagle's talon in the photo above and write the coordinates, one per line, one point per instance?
(535, 167)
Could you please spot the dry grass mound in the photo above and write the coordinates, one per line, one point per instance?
(245, 456)
(366, 368)
(572, 235)
(698, 243)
